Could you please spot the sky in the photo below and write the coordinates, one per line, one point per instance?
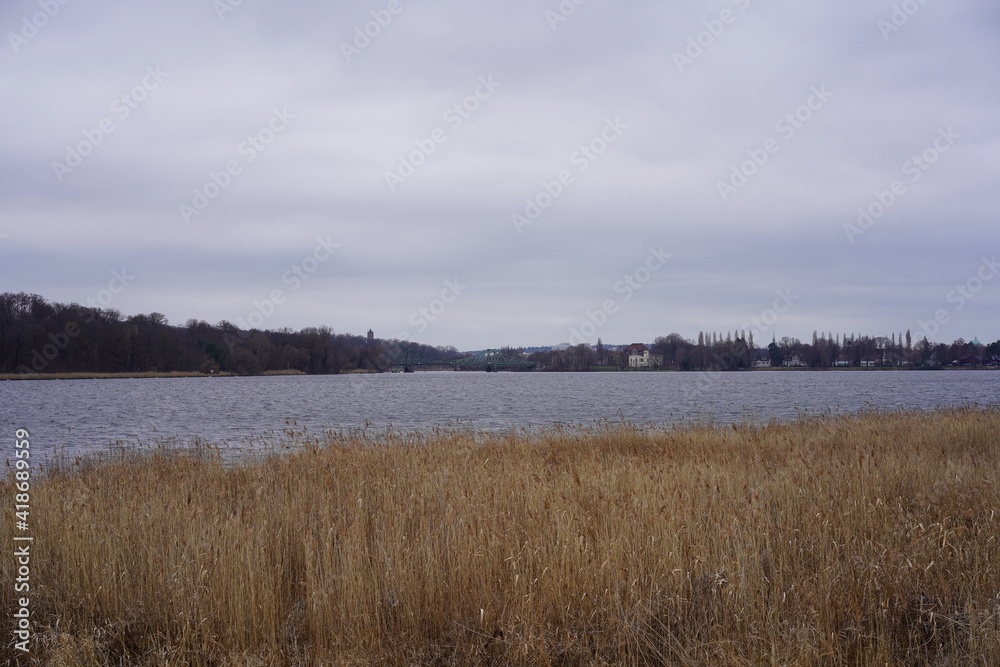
(517, 173)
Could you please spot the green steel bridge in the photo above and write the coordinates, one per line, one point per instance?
(491, 361)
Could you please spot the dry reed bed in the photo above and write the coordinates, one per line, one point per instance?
(854, 540)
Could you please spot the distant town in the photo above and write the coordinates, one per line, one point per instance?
(38, 337)
(738, 351)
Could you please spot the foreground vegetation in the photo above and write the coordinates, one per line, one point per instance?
(866, 540)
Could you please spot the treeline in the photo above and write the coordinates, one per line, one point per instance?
(737, 350)
(827, 350)
(670, 352)
(37, 336)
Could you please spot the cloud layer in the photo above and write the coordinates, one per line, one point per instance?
(535, 153)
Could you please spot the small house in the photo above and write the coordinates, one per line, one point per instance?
(794, 361)
(639, 356)
(761, 358)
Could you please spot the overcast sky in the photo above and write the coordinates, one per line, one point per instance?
(481, 174)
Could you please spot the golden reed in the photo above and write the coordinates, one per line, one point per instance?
(858, 540)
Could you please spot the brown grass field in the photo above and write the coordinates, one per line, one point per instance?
(859, 540)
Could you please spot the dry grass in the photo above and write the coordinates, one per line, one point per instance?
(866, 540)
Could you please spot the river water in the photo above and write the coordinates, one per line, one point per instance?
(79, 416)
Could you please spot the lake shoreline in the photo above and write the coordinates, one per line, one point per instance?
(11, 377)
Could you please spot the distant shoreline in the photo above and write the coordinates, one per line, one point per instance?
(4, 377)
(128, 376)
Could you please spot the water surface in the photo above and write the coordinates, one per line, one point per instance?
(76, 416)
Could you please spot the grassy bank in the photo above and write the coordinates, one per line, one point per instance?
(866, 540)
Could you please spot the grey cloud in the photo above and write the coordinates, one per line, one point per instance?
(325, 174)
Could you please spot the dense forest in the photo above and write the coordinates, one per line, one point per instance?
(41, 337)
(37, 336)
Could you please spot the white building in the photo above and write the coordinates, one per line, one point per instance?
(639, 356)
(794, 361)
